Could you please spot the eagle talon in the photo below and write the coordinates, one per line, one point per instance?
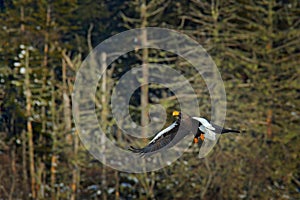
(202, 137)
(196, 140)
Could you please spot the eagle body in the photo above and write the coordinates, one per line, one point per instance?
(183, 126)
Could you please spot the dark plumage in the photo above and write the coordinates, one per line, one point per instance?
(171, 135)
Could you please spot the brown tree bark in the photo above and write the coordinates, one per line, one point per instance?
(24, 164)
(14, 172)
(28, 115)
(29, 125)
(68, 126)
(145, 70)
(40, 171)
(54, 138)
(104, 123)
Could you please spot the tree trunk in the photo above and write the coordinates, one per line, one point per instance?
(104, 122)
(24, 164)
(68, 126)
(14, 172)
(28, 111)
(29, 125)
(117, 185)
(145, 70)
(54, 139)
(40, 170)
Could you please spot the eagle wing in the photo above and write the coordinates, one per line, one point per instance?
(161, 140)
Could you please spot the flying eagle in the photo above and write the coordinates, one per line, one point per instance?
(168, 137)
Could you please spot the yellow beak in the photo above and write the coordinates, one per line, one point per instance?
(175, 113)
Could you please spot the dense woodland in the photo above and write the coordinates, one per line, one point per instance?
(255, 45)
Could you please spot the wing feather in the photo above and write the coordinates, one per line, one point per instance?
(166, 130)
(204, 122)
(161, 140)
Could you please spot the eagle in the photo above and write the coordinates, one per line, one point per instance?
(184, 125)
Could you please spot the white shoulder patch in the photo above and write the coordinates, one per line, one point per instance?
(163, 132)
(204, 122)
(210, 135)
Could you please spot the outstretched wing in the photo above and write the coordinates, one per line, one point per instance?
(161, 139)
(165, 131)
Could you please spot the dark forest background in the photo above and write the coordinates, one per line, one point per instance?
(255, 45)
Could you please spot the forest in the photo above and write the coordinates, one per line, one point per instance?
(254, 45)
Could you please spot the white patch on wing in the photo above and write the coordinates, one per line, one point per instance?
(202, 128)
(209, 134)
(204, 122)
(163, 132)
